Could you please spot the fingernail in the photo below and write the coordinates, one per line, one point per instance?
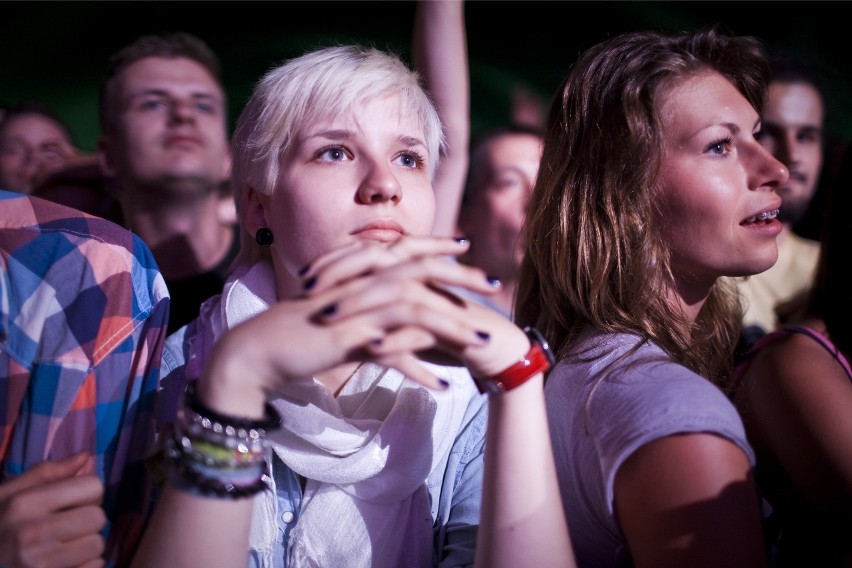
(493, 281)
(462, 240)
(445, 384)
(304, 270)
(310, 283)
(483, 335)
(377, 341)
(329, 310)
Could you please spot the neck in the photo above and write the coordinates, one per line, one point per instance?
(690, 297)
(186, 238)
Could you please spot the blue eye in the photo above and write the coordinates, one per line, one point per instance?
(206, 108)
(720, 147)
(152, 104)
(411, 160)
(332, 154)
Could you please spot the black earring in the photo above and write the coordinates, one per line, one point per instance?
(263, 236)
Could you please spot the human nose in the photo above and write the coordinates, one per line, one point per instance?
(379, 185)
(182, 111)
(767, 169)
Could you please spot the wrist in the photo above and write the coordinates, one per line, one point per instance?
(537, 360)
(231, 384)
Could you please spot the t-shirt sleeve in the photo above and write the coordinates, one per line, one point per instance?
(648, 401)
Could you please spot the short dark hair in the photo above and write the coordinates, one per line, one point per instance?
(169, 45)
(32, 106)
(793, 68)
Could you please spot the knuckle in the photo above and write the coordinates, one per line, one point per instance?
(16, 507)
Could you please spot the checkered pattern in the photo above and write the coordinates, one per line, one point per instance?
(83, 313)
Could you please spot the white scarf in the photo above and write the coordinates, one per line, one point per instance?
(366, 453)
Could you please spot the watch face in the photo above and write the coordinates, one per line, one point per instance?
(536, 337)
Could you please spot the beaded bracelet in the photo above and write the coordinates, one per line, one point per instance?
(219, 482)
(218, 455)
(220, 422)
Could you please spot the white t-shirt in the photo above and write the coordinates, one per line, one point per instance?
(599, 417)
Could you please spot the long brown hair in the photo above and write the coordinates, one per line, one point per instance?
(595, 255)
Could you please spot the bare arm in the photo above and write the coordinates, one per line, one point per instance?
(689, 500)
(522, 522)
(395, 295)
(799, 399)
(440, 55)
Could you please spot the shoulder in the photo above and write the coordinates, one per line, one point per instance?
(94, 281)
(627, 399)
(44, 236)
(792, 364)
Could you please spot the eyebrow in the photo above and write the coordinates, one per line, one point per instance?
(734, 127)
(343, 134)
(333, 134)
(412, 141)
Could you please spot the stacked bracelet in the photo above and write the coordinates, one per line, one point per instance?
(218, 455)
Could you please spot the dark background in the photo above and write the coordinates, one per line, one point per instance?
(57, 51)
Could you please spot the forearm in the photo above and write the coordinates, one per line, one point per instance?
(440, 56)
(523, 521)
(190, 530)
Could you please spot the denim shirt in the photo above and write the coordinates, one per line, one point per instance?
(455, 487)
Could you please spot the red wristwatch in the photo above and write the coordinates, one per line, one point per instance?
(539, 359)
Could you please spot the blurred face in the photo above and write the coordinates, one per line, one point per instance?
(792, 131)
(171, 133)
(359, 176)
(30, 145)
(718, 184)
(494, 217)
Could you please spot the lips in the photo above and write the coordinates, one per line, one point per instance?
(183, 140)
(382, 231)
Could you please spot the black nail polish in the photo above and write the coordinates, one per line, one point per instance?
(444, 383)
(493, 281)
(310, 283)
(377, 341)
(304, 270)
(329, 310)
(483, 335)
(462, 240)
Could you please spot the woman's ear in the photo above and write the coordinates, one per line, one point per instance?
(254, 210)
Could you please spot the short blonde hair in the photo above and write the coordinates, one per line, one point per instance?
(321, 83)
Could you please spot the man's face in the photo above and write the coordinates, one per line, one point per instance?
(793, 131)
(170, 136)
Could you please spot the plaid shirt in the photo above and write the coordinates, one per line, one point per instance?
(83, 314)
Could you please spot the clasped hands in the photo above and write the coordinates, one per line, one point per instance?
(387, 303)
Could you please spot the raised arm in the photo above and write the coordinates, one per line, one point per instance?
(439, 54)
